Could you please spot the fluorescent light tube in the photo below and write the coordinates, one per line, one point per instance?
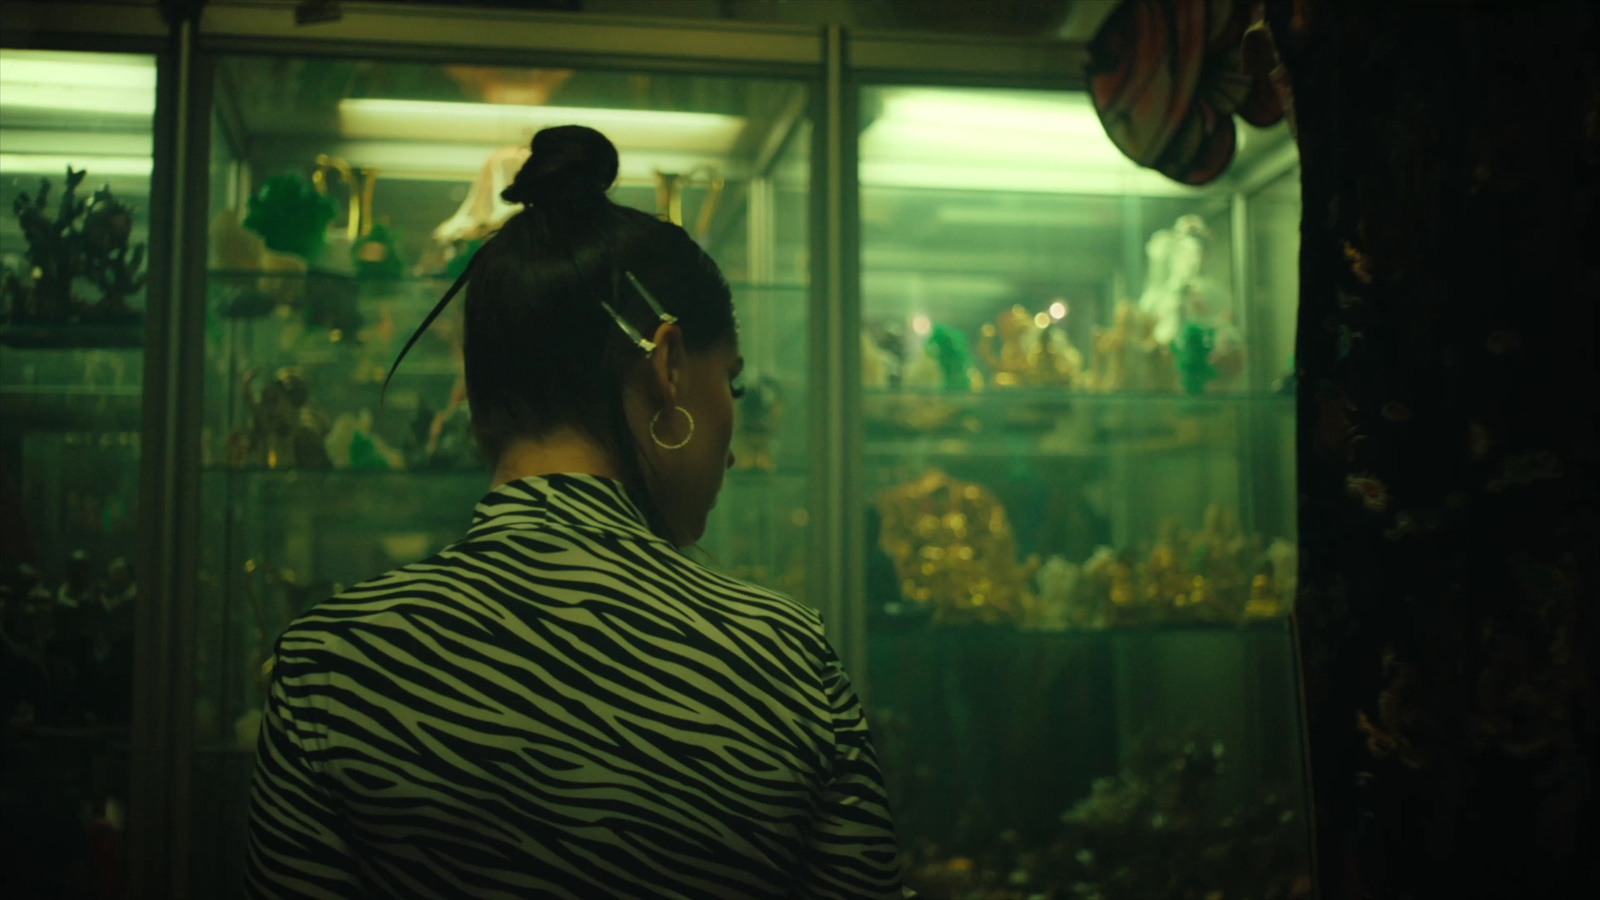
(41, 164)
(107, 84)
(990, 140)
(420, 161)
(499, 124)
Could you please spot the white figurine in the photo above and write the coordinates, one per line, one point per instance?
(1177, 291)
(483, 211)
(1056, 581)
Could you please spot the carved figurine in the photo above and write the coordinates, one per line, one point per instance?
(947, 348)
(1108, 366)
(1193, 353)
(291, 215)
(352, 444)
(1057, 582)
(285, 431)
(1031, 352)
(1177, 291)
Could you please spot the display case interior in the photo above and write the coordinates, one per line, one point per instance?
(75, 163)
(1079, 462)
(346, 197)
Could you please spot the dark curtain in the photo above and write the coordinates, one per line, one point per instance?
(1447, 442)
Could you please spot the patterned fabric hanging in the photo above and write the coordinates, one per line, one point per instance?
(1167, 77)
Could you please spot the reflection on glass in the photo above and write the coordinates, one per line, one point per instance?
(75, 144)
(346, 197)
(1082, 555)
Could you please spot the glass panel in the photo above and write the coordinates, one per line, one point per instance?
(304, 335)
(1079, 662)
(75, 150)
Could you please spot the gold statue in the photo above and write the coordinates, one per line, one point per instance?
(1128, 357)
(1031, 352)
(955, 552)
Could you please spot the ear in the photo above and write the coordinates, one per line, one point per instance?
(667, 362)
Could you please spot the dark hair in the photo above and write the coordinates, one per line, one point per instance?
(541, 351)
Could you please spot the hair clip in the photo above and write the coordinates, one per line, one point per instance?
(655, 307)
(645, 344)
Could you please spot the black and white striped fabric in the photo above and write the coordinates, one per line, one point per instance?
(562, 705)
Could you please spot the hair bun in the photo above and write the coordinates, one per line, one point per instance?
(570, 165)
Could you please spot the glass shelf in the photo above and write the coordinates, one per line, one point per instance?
(64, 337)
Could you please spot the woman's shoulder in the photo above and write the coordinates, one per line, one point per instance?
(743, 596)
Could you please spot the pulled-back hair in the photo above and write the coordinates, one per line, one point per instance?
(541, 351)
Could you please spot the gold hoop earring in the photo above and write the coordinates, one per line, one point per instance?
(663, 444)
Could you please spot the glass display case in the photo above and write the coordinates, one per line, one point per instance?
(346, 196)
(1044, 494)
(75, 153)
(1078, 455)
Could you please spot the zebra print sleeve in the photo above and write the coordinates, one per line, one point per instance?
(295, 849)
(852, 852)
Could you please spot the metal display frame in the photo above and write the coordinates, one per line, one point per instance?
(187, 37)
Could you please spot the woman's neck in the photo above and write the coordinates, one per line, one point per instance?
(565, 451)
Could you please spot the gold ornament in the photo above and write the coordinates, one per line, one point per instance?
(1031, 352)
(955, 551)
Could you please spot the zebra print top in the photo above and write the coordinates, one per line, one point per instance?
(561, 705)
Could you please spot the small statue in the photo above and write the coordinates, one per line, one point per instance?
(286, 431)
(1108, 359)
(1109, 593)
(77, 591)
(1193, 353)
(291, 215)
(1057, 581)
(108, 262)
(1177, 291)
(955, 551)
(352, 444)
(947, 347)
(759, 413)
(377, 255)
(1167, 581)
(1031, 352)
(1265, 601)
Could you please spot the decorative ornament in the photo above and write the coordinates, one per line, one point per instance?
(1032, 351)
(377, 255)
(483, 212)
(955, 551)
(948, 349)
(1193, 353)
(286, 431)
(84, 241)
(291, 215)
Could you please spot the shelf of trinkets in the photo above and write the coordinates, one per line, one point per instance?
(1059, 423)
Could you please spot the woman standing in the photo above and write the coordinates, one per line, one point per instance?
(561, 704)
